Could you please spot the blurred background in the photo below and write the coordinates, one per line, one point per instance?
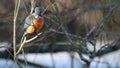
(75, 32)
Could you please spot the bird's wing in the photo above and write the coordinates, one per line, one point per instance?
(28, 21)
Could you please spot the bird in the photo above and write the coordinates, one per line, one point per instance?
(34, 22)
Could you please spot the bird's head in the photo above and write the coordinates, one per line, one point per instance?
(38, 11)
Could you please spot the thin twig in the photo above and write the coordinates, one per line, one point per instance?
(24, 57)
(29, 40)
(17, 5)
(50, 5)
(32, 6)
(21, 45)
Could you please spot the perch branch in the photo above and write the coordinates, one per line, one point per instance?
(27, 41)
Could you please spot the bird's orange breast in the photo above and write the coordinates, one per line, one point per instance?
(38, 23)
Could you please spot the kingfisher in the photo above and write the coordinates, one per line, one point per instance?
(34, 22)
